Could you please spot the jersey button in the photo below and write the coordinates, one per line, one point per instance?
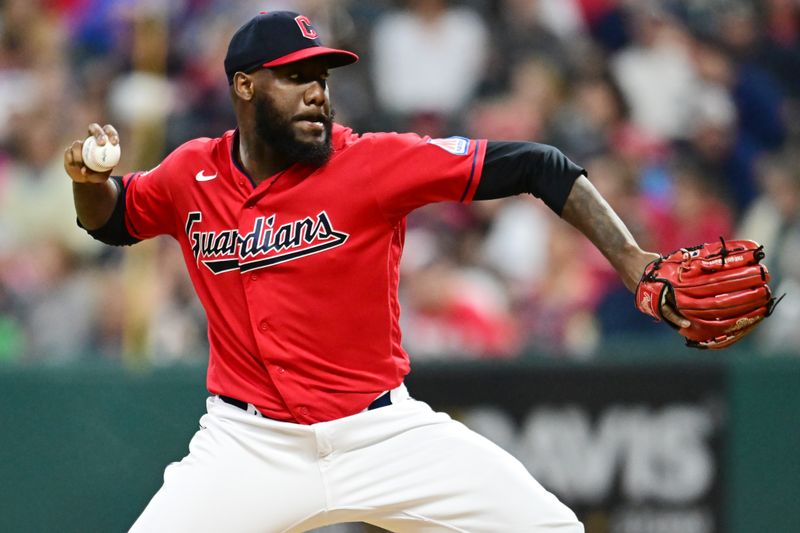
(281, 370)
(263, 326)
(241, 182)
(253, 277)
(303, 410)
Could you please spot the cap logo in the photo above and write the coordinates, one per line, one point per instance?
(305, 27)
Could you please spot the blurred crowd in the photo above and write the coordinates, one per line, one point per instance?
(685, 113)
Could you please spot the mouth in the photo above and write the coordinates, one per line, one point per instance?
(312, 123)
(313, 126)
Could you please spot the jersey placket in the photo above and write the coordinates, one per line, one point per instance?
(255, 217)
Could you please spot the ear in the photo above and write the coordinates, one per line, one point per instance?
(243, 86)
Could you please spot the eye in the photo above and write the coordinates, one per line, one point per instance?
(304, 77)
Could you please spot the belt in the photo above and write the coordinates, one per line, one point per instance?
(381, 401)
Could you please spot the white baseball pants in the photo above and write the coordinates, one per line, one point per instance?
(402, 467)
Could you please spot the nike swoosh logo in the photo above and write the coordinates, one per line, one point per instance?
(200, 176)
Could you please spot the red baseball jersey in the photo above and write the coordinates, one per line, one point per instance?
(298, 276)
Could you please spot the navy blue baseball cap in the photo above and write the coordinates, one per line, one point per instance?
(276, 38)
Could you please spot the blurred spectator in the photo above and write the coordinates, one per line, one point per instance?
(656, 75)
(456, 313)
(769, 39)
(562, 17)
(773, 220)
(777, 207)
(58, 307)
(428, 58)
(607, 21)
(33, 175)
(723, 159)
(525, 110)
(755, 126)
(694, 214)
(520, 32)
(556, 316)
(176, 325)
(595, 120)
(517, 237)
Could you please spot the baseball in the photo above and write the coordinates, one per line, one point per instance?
(100, 158)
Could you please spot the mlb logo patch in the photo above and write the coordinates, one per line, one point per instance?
(454, 145)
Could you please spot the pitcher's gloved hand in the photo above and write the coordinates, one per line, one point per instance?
(721, 288)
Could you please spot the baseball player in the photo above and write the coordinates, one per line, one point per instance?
(292, 228)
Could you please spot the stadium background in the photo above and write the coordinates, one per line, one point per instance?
(686, 114)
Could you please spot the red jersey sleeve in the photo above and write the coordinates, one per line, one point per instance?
(149, 207)
(409, 171)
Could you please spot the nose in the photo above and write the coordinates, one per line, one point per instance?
(316, 93)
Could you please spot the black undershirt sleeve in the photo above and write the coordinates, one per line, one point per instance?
(114, 231)
(512, 168)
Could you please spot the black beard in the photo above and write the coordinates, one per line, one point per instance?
(276, 131)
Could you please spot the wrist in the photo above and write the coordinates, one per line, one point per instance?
(635, 262)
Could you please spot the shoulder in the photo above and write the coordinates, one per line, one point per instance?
(343, 137)
(455, 145)
(203, 146)
(392, 138)
(383, 146)
(202, 152)
(393, 145)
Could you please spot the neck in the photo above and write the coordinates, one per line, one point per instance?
(258, 159)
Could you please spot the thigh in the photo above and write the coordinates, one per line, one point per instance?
(235, 479)
(441, 476)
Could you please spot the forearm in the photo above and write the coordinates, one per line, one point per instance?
(587, 211)
(94, 202)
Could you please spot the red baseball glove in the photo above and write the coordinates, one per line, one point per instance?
(721, 288)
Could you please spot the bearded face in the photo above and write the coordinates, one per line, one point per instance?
(304, 138)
